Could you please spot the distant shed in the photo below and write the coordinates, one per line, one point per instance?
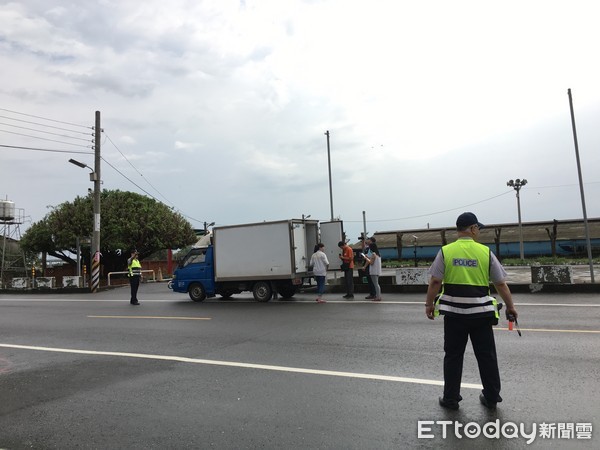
(570, 239)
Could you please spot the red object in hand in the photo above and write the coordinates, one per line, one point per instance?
(510, 325)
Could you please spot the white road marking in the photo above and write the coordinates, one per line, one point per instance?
(149, 317)
(299, 301)
(547, 330)
(182, 359)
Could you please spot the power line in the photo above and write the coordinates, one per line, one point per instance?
(70, 143)
(46, 149)
(135, 168)
(45, 132)
(44, 139)
(147, 181)
(466, 206)
(44, 125)
(143, 190)
(45, 118)
(128, 179)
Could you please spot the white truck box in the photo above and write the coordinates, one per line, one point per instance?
(266, 250)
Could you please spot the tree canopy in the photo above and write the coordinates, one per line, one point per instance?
(128, 220)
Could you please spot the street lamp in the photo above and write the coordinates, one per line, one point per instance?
(83, 166)
(517, 185)
(206, 225)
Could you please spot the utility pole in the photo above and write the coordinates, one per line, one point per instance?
(517, 185)
(329, 166)
(585, 221)
(364, 226)
(96, 233)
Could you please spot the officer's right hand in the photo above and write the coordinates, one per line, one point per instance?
(429, 311)
(511, 312)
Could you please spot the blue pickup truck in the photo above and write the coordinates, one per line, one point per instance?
(262, 258)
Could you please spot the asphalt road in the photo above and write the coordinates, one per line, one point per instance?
(91, 371)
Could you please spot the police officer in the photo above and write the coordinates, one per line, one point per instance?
(135, 272)
(463, 271)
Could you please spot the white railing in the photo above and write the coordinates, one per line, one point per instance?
(126, 272)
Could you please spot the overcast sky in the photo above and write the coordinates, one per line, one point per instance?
(219, 108)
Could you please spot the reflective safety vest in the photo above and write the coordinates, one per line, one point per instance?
(466, 289)
(135, 268)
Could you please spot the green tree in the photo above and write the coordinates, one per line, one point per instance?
(128, 220)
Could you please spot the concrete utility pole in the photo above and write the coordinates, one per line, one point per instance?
(585, 221)
(364, 226)
(517, 185)
(329, 166)
(95, 176)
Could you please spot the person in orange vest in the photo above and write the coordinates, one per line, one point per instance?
(347, 258)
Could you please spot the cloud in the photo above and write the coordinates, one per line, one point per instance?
(430, 106)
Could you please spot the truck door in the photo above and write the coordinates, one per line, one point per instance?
(331, 234)
(300, 257)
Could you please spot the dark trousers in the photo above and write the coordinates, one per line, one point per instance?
(348, 275)
(456, 333)
(320, 284)
(372, 291)
(134, 282)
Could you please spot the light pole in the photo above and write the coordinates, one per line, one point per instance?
(415, 242)
(585, 221)
(517, 185)
(329, 166)
(95, 250)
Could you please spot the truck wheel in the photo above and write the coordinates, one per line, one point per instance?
(287, 291)
(262, 291)
(197, 292)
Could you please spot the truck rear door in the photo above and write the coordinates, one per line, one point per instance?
(300, 256)
(331, 234)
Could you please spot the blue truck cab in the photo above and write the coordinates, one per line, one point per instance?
(196, 274)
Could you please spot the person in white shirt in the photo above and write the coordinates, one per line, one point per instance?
(373, 261)
(320, 264)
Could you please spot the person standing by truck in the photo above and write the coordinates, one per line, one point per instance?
(373, 263)
(367, 269)
(347, 258)
(320, 264)
(135, 273)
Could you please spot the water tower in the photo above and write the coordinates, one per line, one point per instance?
(7, 211)
(12, 259)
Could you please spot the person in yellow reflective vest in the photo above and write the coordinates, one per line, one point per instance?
(135, 273)
(459, 289)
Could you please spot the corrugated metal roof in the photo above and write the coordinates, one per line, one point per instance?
(509, 232)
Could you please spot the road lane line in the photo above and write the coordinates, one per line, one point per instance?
(298, 301)
(547, 330)
(150, 317)
(332, 373)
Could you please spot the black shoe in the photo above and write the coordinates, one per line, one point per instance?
(485, 402)
(135, 303)
(447, 403)
(369, 297)
(349, 297)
